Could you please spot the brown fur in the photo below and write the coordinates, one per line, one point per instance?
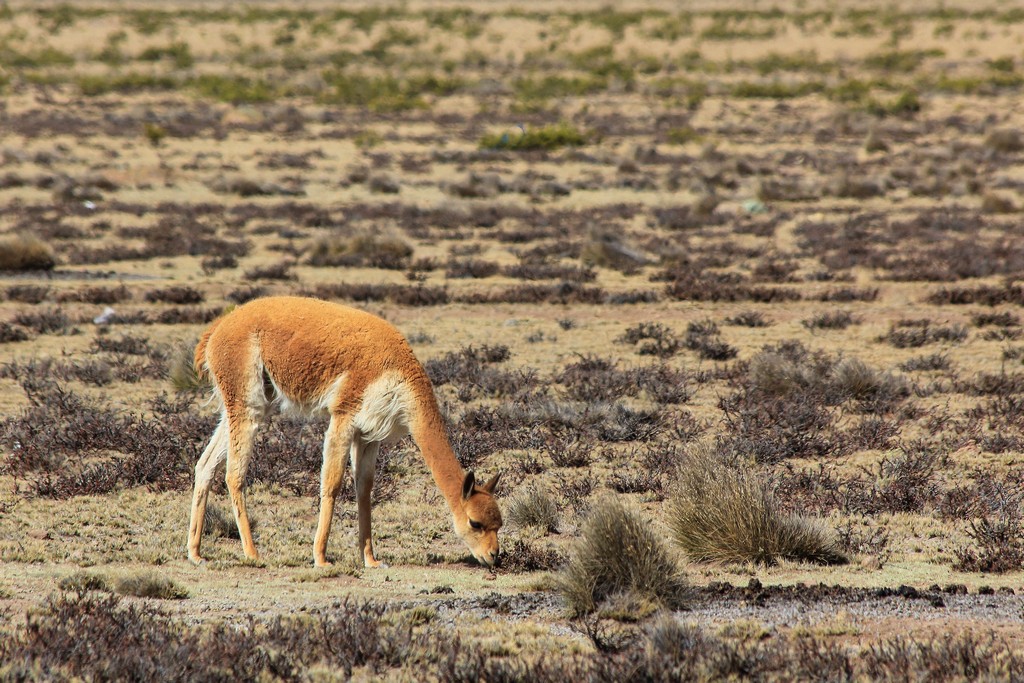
(323, 356)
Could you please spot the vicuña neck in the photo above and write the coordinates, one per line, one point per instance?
(428, 431)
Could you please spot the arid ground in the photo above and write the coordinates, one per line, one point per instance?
(788, 234)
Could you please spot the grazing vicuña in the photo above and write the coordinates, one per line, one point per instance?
(320, 357)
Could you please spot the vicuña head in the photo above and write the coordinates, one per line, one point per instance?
(318, 357)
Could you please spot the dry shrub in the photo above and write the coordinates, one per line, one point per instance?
(748, 319)
(274, 271)
(472, 373)
(28, 294)
(406, 295)
(46, 321)
(149, 584)
(723, 511)
(11, 333)
(533, 507)
(562, 293)
(930, 363)
(365, 250)
(704, 338)
(520, 557)
(127, 344)
(658, 340)
(96, 295)
(25, 252)
(175, 295)
(908, 334)
(69, 445)
(82, 581)
(1000, 544)
(529, 270)
(242, 295)
(593, 379)
(95, 636)
(830, 320)
(470, 268)
(619, 552)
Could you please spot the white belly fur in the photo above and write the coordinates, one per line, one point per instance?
(384, 413)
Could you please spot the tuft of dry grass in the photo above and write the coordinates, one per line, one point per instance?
(84, 581)
(726, 513)
(365, 250)
(220, 523)
(182, 372)
(533, 507)
(26, 252)
(149, 584)
(619, 553)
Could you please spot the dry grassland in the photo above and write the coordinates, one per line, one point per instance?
(615, 237)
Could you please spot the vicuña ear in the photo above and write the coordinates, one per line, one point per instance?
(492, 483)
(467, 485)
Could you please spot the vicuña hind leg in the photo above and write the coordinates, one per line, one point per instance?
(364, 464)
(240, 439)
(336, 446)
(214, 455)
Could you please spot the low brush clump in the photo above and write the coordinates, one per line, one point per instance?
(150, 585)
(366, 250)
(545, 137)
(723, 512)
(619, 553)
(533, 507)
(26, 252)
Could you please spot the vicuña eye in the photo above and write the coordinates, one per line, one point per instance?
(475, 524)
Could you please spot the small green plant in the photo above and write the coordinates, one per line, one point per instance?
(149, 584)
(723, 511)
(905, 103)
(684, 135)
(549, 137)
(154, 132)
(179, 52)
(778, 90)
(234, 89)
(619, 553)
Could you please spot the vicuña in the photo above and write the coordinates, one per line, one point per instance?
(320, 357)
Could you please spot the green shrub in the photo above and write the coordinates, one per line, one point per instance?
(905, 103)
(619, 553)
(25, 252)
(179, 52)
(723, 511)
(234, 89)
(546, 137)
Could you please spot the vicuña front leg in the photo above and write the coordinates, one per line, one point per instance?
(240, 437)
(365, 464)
(336, 447)
(214, 455)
